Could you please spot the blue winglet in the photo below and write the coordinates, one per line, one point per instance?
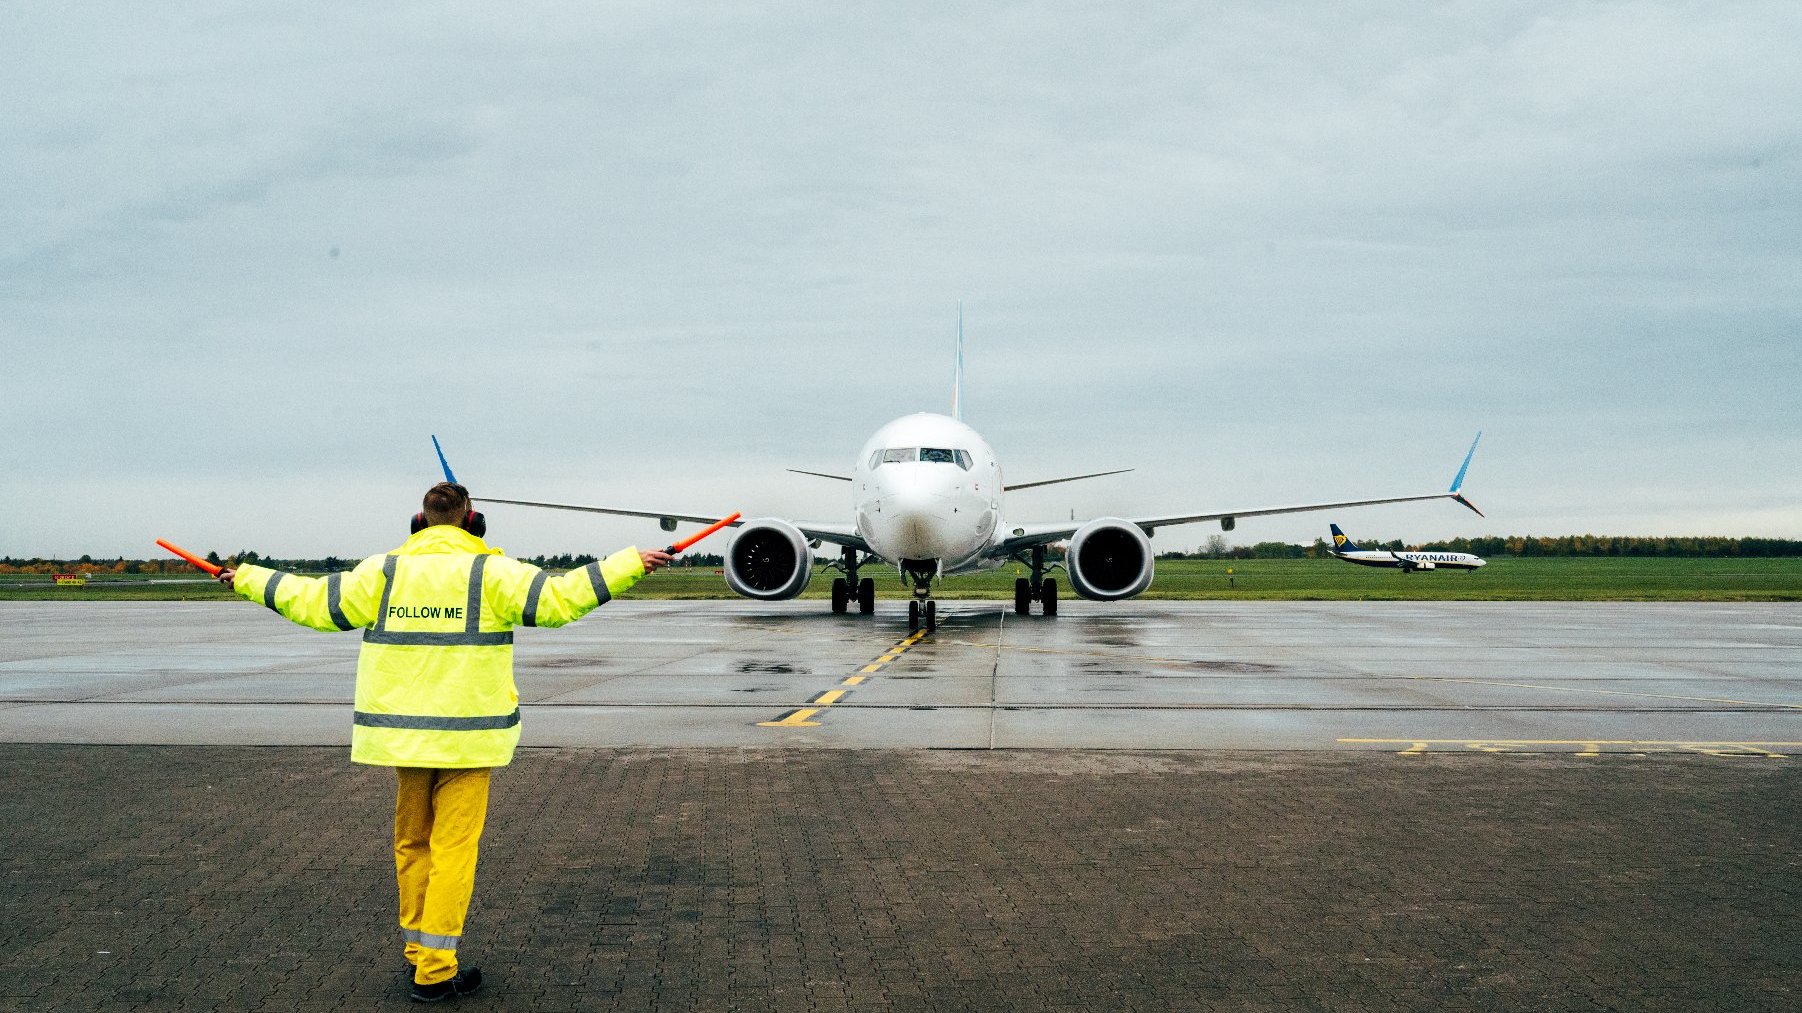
(448, 477)
(1456, 482)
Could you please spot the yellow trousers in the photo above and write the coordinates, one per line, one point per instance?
(438, 817)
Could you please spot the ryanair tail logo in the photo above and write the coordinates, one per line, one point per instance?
(1340, 542)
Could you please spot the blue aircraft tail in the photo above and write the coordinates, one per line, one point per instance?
(442, 463)
(1341, 543)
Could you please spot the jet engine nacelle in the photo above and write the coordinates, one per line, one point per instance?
(1109, 559)
(769, 559)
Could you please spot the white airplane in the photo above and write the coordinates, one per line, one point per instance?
(926, 498)
(1345, 549)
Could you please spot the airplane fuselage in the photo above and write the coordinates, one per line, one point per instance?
(1413, 560)
(927, 488)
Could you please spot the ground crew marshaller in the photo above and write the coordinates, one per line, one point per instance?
(435, 697)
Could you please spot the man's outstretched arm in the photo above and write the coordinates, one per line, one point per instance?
(524, 595)
(341, 601)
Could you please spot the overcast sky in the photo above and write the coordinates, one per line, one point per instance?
(253, 255)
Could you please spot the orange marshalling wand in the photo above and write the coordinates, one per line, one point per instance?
(686, 542)
(190, 557)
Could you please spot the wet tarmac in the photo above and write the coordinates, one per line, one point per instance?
(153, 862)
(1582, 678)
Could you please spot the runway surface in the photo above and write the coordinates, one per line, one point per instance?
(1583, 678)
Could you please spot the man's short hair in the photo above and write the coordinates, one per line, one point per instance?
(446, 503)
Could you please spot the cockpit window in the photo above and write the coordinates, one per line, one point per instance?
(936, 455)
(927, 455)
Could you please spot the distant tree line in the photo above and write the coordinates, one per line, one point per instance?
(1518, 545)
(569, 562)
(1217, 548)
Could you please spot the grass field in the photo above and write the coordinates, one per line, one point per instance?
(1523, 579)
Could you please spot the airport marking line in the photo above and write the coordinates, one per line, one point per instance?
(1590, 747)
(1603, 692)
(803, 717)
(793, 719)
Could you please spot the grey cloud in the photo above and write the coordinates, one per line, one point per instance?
(1260, 251)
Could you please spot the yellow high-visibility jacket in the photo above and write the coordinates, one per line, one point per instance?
(435, 675)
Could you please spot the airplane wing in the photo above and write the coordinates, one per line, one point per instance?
(668, 517)
(837, 534)
(820, 531)
(1058, 481)
(1025, 536)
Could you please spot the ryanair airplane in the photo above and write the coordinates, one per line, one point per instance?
(1344, 548)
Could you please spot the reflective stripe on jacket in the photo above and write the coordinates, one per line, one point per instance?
(435, 675)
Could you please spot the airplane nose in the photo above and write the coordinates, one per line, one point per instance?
(915, 515)
(910, 501)
(916, 535)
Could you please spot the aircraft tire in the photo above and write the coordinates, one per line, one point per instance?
(913, 616)
(1048, 596)
(1022, 596)
(840, 597)
(932, 615)
(866, 595)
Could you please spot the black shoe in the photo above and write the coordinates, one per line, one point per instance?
(462, 984)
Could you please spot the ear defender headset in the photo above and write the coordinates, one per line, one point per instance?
(472, 522)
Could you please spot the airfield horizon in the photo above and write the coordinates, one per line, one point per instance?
(1527, 578)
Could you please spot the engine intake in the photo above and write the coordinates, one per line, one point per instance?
(1109, 559)
(769, 560)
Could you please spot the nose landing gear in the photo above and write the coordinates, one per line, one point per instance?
(922, 612)
(1038, 588)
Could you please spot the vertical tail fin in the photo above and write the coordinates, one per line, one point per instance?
(957, 382)
(442, 463)
(1341, 543)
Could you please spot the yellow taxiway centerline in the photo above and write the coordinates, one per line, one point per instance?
(800, 718)
(793, 719)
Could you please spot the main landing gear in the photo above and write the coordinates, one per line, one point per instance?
(1038, 588)
(849, 587)
(922, 612)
